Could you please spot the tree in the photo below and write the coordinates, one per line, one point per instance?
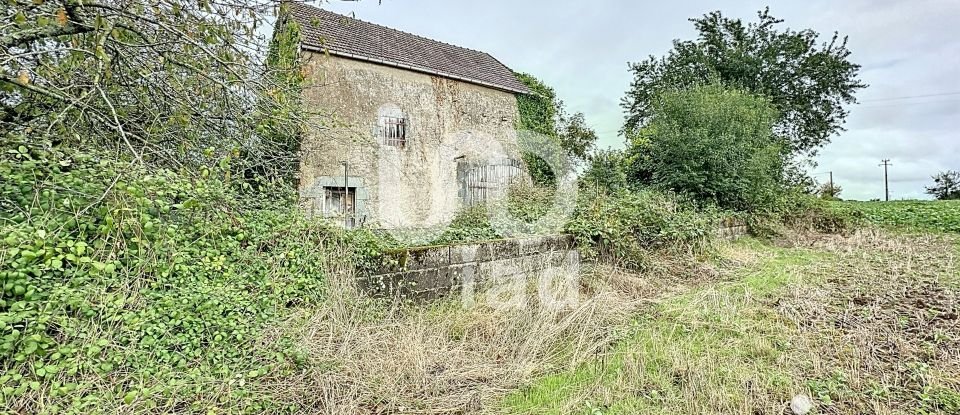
(830, 191)
(173, 82)
(712, 143)
(576, 138)
(542, 113)
(807, 84)
(605, 171)
(946, 186)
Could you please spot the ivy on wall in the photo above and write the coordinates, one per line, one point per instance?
(538, 114)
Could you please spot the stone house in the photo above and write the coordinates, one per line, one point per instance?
(419, 127)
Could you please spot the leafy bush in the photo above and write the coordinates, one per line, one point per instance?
(470, 224)
(527, 204)
(144, 289)
(715, 145)
(625, 226)
(801, 211)
(605, 172)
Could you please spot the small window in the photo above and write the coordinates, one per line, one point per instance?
(393, 131)
(340, 202)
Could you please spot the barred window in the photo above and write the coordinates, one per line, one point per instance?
(393, 131)
(340, 202)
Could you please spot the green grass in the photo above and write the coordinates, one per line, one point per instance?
(938, 216)
(787, 321)
(694, 354)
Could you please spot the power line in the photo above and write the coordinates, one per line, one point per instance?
(903, 104)
(912, 97)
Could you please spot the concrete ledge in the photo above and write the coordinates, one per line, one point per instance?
(434, 271)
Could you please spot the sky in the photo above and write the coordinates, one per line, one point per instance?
(909, 50)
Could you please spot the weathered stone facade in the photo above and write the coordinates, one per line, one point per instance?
(447, 122)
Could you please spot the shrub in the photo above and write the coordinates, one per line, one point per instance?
(605, 172)
(130, 287)
(801, 211)
(529, 206)
(626, 225)
(713, 144)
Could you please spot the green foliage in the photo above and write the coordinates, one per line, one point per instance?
(798, 210)
(946, 186)
(713, 144)
(627, 225)
(160, 81)
(526, 203)
(807, 83)
(830, 191)
(937, 216)
(469, 225)
(542, 115)
(605, 172)
(162, 284)
(537, 114)
(284, 68)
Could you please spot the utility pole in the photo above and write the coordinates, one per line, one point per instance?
(346, 194)
(831, 182)
(886, 181)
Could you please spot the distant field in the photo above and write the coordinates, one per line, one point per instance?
(941, 216)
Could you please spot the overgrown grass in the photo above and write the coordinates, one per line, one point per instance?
(915, 215)
(692, 354)
(809, 318)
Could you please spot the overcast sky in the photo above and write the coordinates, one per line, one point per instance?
(581, 48)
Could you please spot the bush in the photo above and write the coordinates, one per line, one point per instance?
(805, 212)
(130, 287)
(627, 225)
(605, 172)
(713, 144)
(527, 204)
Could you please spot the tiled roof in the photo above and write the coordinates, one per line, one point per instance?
(345, 36)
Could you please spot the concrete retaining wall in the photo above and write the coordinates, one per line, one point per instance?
(436, 271)
(732, 229)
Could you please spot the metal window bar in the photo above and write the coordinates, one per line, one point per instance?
(394, 131)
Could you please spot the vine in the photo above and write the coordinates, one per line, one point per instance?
(537, 114)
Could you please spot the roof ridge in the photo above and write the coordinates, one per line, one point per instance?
(398, 30)
(349, 36)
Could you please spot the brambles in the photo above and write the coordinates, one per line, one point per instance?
(128, 287)
(625, 226)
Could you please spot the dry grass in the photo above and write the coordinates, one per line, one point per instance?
(882, 330)
(374, 358)
(865, 324)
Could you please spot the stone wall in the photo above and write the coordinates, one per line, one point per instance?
(732, 229)
(414, 186)
(437, 271)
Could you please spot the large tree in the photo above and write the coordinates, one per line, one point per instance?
(165, 81)
(808, 82)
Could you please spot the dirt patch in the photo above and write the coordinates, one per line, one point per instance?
(883, 331)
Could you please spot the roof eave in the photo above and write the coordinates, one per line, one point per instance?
(421, 69)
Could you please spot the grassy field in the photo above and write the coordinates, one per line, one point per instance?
(865, 324)
(938, 216)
